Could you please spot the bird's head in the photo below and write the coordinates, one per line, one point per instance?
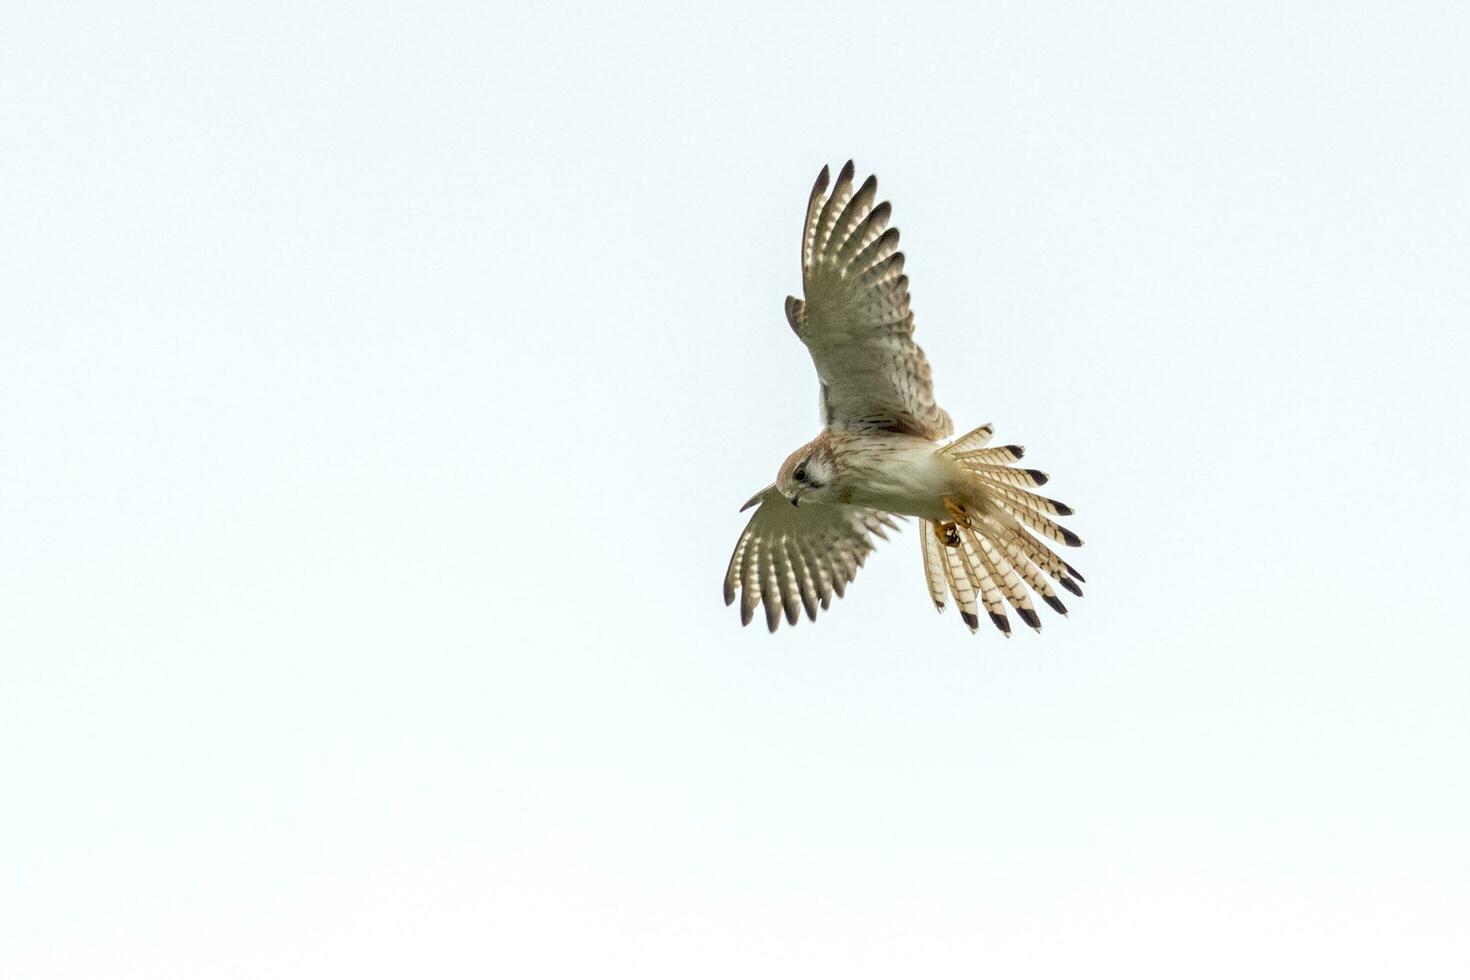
(808, 473)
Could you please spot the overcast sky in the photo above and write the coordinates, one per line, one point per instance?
(379, 384)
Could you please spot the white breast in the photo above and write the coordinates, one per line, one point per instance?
(899, 474)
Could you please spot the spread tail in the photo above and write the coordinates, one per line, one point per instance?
(989, 556)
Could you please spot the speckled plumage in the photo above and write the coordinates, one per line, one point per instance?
(881, 454)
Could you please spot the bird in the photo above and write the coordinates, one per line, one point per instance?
(886, 451)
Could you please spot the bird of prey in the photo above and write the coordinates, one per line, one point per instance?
(885, 450)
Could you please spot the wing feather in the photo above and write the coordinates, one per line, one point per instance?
(805, 584)
(789, 558)
(750, 582)
(866, 232)
(855, 319)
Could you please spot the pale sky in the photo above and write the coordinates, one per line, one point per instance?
(379, 384)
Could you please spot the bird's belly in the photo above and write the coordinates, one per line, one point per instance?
(909, 480)
(929, 507)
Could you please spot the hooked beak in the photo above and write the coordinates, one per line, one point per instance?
(794, 498)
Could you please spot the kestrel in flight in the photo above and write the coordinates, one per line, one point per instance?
(883, 451)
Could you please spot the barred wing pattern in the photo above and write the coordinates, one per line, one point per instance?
(855, 319)
(794, 558)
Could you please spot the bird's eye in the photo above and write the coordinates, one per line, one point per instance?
(800, 473)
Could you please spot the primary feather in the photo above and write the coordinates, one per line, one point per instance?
(855, 318)
(879, 454)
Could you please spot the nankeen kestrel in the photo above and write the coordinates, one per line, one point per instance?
(884, 453)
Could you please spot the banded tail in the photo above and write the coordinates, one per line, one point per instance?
(989, 556)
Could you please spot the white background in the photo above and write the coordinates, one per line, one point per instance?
(378, 385)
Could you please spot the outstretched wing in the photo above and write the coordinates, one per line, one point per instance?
(795, 557)
(855, 319)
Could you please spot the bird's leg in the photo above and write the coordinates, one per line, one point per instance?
(947, 534)
(957, 511)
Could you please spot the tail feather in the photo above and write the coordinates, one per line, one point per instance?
(933, 572)
(1008, 580)
(961, 587)
(972, 440)
(1031, 501)
(980, 574)
(1039, 523)
(999, 455)
(1013, 476)
(1028, 571)
(1039, 553)
(999, 558)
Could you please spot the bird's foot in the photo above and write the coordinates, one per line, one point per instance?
(947, 533)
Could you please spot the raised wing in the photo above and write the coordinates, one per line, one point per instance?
(790, 558)
(855, 319)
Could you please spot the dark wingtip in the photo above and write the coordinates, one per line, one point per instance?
(1062, 508)
(729, 593)
(1017, 451)
(1071, 540)
(1074, 573)
(1038, 477)
(1029, 617)
(1001, 623)
(939, 607)
(1070, 586)
(746, 614)
(1055, 603)
(845, 174)
(971, 620)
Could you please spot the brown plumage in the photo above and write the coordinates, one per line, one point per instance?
(880, 453)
